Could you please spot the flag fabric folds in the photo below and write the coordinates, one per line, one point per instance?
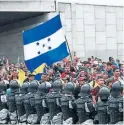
(38, 72)
(40, 69)
(44, 44)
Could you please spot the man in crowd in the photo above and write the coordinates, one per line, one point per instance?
(95, 90)
(113, 78)
(114, 63)
(109, 69)
(30, 77)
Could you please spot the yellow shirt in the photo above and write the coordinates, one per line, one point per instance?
(93, 85)
(22, 77)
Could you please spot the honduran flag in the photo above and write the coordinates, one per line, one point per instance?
(44, 44)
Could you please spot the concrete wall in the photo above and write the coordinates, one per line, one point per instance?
(93, 30)
(90, 30)
(27, 5)
(95, 2)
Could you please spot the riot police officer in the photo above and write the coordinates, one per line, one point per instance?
(115, 103)
(84, 104)
(54, 105)
(102, 106)
(41, 103)
(29, 103)
(67, 104)
(3, 103)
(14, 87)
(20, 102)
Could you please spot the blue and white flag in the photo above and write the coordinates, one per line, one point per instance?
(44, 44)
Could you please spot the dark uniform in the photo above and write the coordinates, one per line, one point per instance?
(54, 105)
(84, 104)
(67, 104)
(29, 103)
(115, 103)
(20, 103)
(3, 104)
(102, 106)
(40, 101)
(14, 86)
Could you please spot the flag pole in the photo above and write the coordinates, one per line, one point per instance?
(68, 48)
(67, 44)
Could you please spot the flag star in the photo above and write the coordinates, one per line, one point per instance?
(48, 39)
(49, 47)
(43, 45)
(39, 52)
(37, 43)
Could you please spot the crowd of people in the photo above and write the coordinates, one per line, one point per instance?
(93, 72)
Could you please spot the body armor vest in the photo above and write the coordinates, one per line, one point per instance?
(12, 108)
(54, 106)
(3, 101)
(11, 102)
(20, 106)
(3, 108)
(102, 111)
(84, 108)
(40, 105)
(115, 108)
(66, 106)
(29, 104)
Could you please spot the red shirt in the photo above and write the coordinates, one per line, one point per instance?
(95, 92)
(63, 75)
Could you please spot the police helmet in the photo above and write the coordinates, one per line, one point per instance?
(33, 86)
(44, 87)
(104, 93)
(57, 85)
(69, 88)
(14, 85)
(24, 87)
(85, 90)
(116, 89)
